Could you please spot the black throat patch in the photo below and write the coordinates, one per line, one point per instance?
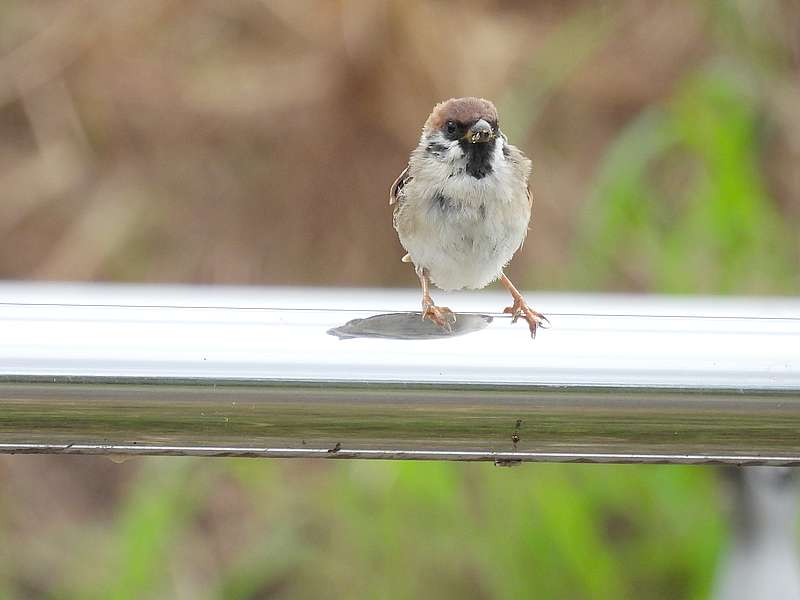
(479, 157)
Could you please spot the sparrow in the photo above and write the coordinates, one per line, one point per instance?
(462, 206)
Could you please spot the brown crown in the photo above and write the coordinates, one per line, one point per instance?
(461, 110)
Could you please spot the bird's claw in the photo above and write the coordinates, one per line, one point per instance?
(534, 319)
(441, 315)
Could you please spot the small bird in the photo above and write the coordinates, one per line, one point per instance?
(462, 206)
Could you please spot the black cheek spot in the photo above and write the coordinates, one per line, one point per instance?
(436, 148)
(506, 151)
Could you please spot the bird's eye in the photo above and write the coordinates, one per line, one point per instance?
(451, 127)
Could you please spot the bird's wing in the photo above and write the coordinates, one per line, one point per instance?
(396, 191)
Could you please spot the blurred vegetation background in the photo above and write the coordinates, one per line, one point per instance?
(254, 141)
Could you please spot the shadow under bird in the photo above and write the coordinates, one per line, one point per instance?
(462, 206)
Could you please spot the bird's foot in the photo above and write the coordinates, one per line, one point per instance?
(521, 309)
(441, 315)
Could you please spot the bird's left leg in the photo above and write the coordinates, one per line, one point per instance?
(520, 308)
(441, 315)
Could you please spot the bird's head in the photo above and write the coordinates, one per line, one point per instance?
(464, 133)
(465, 120)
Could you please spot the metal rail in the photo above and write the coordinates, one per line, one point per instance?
(257, 372)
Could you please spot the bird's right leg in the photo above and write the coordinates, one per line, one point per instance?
(441, 315)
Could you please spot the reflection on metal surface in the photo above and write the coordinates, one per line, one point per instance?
(408, 326)
(222, 372)
(288, 419)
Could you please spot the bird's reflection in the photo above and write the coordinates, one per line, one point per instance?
(408, 326)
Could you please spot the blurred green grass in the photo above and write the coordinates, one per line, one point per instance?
(680, 204)
(362, 529)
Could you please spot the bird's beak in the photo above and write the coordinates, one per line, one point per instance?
(481, 131)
